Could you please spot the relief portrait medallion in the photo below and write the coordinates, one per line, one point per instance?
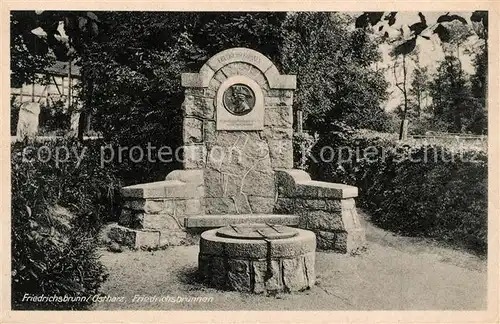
(239, 99)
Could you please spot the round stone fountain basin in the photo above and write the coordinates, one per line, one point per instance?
(258, 258)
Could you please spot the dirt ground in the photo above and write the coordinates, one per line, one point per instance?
(394, 273)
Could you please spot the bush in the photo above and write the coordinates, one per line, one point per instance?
(406, 189)
(55, 118)
(57, 212)
(14, 115)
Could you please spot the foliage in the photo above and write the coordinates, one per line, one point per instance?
(442, 27)
(418, 189)
(303, 144)
(39, 38)
(132, 73)
(57, 211)
(419, 88)
(453, 102)
(14, 115)
(479, 89)
(333, 66)
(54, 118)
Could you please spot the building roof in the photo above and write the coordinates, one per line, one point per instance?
(61, 68)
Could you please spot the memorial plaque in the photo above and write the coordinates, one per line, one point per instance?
(240, 105)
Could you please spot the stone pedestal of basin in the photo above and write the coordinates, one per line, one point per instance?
(258, 258)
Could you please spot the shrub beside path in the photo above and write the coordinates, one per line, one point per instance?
(394, 273)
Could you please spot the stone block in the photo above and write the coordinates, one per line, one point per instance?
(261, 205)
(161, 222)
(309, 264)
(278, 81)
(237, 204)
(27, 124)
(192, 130)
(321, 220)
(135, 204)
(169, 206)
(242, 68)
(310, 204)
(211, 221)
(286, 181)
(328, 205)
(246, 182)
(214, 83)
(267, 279)
(147, 239)
(200, 92)
(279, 93)
(154, 206)
(194, 156)
(160, 189)
(321, 189)
(188, 176)
(218, 276)
(238, 275)
(193, 207)
(350, 219)
(278, 101)
(348, 242)
(172, 238)
(348, 203)
(326, 240)
(294, 277)
(187, 207)
(201, 107)
(239, 54)
(334, 204)
(209, 133)
(281, 154)
(275, 133)
(134, 238)
(284, 206)
(278, 116)
(191, 80)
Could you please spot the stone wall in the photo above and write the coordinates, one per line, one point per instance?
(327, 209)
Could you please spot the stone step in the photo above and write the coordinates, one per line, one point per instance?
(211, 221)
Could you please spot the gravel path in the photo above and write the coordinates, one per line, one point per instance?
(394, 273)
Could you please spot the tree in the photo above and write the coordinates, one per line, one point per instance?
(27, 54)
(403, 83)
(452, 30)
(453, 103)
(418, 91)
(334, 66)
(134, 67)
(40, 37)
(479, 21)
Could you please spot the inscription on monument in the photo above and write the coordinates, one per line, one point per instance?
(239, 55)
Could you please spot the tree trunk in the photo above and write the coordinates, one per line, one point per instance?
(403, 131)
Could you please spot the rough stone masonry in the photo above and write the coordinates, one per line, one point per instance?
(238, 164)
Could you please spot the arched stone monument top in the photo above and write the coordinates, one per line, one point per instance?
(239, 54)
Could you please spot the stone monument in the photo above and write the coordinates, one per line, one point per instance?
(27, 124)
(238, 165)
